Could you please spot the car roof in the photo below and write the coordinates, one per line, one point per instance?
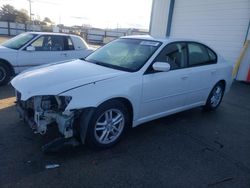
(51, 33)
(164, 40)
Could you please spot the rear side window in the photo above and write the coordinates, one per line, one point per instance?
(212, 55)
(199, 54)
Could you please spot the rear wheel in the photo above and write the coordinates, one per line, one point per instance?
(4, 74)
(215, 97)
(107, 125)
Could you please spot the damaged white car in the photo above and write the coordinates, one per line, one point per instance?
(127, 82)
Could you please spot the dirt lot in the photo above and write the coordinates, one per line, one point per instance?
(189, 149)
(3, 39)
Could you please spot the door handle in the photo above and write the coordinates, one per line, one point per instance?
(64, 54)
(213, 71)
(184, 77)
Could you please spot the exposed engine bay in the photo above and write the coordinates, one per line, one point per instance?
(42, 111)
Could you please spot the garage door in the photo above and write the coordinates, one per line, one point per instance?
(222, 24)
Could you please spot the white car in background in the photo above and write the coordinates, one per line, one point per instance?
(127, 82)
(38, 48)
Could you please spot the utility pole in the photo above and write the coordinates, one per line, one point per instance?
(30, 9)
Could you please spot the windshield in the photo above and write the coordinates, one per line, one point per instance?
(124, 54)
(19, 41)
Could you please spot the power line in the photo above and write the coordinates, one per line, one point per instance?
(46, 2)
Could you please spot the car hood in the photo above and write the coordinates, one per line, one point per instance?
(60, 77)
(4, 49)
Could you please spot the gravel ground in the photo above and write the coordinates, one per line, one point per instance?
(189, 149)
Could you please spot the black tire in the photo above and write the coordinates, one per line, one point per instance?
(4, 74)
(210, 104)
(112, 107)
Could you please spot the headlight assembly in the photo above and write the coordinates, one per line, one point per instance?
(51, 102)
(63, 101)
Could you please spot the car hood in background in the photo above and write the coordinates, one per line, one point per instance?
(5, 50)
(57, 78)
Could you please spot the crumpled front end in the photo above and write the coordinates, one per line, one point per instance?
(41, 111)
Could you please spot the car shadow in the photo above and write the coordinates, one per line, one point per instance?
(163, 126)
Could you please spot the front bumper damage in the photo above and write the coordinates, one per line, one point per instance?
(42, 111)
(38, 125)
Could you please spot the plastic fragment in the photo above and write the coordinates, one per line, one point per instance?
(51, 166)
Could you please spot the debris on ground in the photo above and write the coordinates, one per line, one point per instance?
(220, 181)
(60, 144)
(220, 144)
(51, 166)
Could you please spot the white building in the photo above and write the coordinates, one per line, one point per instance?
(222, 24)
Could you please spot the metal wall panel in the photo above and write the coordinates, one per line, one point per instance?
(222, 24)
(159, 18)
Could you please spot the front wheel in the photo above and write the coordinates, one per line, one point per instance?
(215, 97)
(107, 125)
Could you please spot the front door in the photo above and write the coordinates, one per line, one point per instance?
(46, 49)
(165, 92)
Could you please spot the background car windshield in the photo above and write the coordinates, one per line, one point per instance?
(124, 54)
(19, 41)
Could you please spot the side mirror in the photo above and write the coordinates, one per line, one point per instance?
(30, 48)
(161, 66)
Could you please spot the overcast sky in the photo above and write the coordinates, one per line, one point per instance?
(98, 13)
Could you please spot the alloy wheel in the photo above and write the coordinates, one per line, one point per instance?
(216, 96)
(109, 126)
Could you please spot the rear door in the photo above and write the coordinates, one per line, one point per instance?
(203, 72)
(70, 51)
(81, 49)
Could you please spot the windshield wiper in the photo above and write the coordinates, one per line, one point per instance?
(95, 62)
(108, 65)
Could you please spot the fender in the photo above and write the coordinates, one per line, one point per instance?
(92, 95)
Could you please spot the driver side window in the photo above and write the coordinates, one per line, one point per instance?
(175, 54)
(43, 43)
(49, 43)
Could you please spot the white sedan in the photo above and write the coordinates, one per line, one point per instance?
(37, 48)
(125, 83)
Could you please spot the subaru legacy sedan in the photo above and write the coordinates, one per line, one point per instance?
(125, 83)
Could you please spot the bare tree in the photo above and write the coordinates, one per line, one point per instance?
(8, 13)
(46, 19)
(22, 16)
